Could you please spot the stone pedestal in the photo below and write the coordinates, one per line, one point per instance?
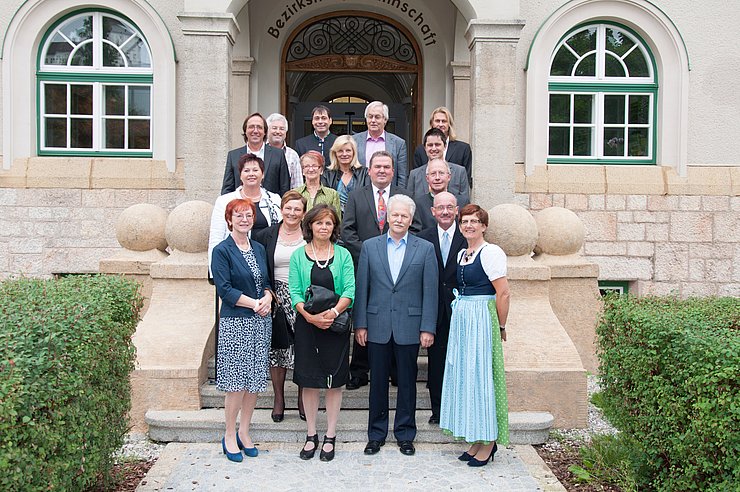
(174, 340)
(543, 368)
(574, 286)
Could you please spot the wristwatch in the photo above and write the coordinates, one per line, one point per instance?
(336, 313)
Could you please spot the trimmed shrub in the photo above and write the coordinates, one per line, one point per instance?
(670, 376)
(65, 359)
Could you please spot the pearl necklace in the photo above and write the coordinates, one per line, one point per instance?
(316, 257)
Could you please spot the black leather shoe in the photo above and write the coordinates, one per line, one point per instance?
(434, 419)
(355, 383)
(373, 447)
(406, 447)
(307, 455)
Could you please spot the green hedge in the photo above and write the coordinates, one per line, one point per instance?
(670, 372)
(65, 359)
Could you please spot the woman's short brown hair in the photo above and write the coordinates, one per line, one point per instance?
(319, 212)
(238, 205)
(293, 195)
(473, 209)
(248, 157)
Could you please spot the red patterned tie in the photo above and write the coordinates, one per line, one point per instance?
(381, 210)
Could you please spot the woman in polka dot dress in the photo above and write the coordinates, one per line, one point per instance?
(474, 404)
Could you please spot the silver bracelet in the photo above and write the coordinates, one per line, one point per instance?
(334, 310)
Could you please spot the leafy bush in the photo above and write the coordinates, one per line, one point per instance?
(609, 459)
(669, 377)
(65, 359)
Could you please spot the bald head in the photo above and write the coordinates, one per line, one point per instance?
(444, 209)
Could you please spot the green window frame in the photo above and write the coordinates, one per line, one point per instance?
(621, 287)
(602, 98)
(95, 87)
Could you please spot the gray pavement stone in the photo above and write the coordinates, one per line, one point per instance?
(202, 466)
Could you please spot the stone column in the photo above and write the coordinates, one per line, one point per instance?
(461, 99)
(204, 76)
(241, 72)
(493, 74)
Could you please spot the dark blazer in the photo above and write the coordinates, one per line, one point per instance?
(277, 175)
(360, 218)
(458, 185)
(232, 277)
(310, 142)
(457, 151)
(268, 238)
(396, 146)
(331, 178)
(404, 308)
(447, 273)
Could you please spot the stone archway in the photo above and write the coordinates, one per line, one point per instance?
(358, 54)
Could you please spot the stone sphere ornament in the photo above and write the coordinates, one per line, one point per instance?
(188, 226)
(141, 228)
(561, 232)
(512, 228)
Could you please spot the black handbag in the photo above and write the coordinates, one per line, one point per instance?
(282, 334)
(319, 299)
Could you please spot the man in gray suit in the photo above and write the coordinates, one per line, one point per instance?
(395, 311)
(376, 138)
(434, 145)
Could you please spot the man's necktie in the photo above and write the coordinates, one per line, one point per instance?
(445, 246)
(381, 211)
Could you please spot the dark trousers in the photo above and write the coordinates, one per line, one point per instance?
(380, 356)
(436, 355)
(359, 365)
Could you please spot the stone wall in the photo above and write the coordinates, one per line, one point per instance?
(663, 233)
(58, 214)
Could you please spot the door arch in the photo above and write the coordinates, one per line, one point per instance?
(356, 54)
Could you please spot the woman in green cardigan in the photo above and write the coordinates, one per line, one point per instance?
(321, 356)
(312, 164)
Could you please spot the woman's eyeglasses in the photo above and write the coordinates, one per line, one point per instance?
(470, 221)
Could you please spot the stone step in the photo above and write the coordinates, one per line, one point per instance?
(210, 397)
(207, 425)
(422, 374)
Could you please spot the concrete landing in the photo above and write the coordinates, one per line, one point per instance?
(278, 468)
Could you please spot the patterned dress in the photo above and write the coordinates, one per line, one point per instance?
(474, 403)
(244, 345)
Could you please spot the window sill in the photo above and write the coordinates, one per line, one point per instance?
(92, 173)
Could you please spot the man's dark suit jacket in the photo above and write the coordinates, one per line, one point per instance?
(424, 203)
(447, 273)
(277, 176)
(360, 218)
(457, 151)
(447, 281)
(310, 142)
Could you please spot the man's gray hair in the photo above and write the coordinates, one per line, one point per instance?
(276, 117)
(447, 165)
(401, 199)
(373, 104)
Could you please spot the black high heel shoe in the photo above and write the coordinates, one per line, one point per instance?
(328, 455)
(465, 456)
(307, 455)
(475, 462)
(278, 417)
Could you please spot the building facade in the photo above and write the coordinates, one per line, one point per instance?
(620, 110)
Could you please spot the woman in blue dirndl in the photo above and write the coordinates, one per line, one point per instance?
(474, 404)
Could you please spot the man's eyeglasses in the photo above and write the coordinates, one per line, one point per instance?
(442, 208)
(438, 174)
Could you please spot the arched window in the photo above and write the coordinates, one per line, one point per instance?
(95, 80)
(602, 98)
